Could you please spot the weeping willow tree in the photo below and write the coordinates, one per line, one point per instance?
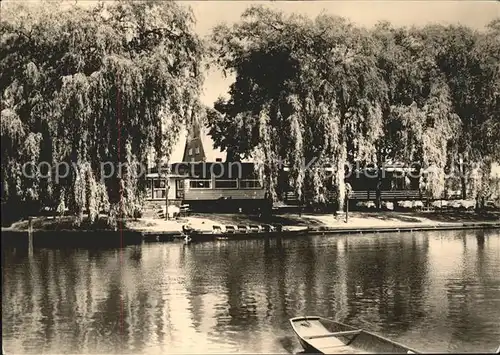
(93, 87)
(487, 147)
(307, 94)
(469, 59)
(443, 101)
(420, 125)
(327, 91)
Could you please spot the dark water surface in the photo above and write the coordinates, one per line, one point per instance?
(436, 291)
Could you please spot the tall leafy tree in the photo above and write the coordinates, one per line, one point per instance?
(469, 61)
(306, 91)
(324, 89)
(94, 85)
(419, 121)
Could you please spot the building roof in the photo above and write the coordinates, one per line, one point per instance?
(210, 152)
(194, 148)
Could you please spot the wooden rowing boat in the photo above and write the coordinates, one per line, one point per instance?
(324, 336)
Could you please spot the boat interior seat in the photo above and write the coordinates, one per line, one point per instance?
(337, 347)
(336, 334)
(316, 336)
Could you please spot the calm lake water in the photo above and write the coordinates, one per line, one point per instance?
(436, 292)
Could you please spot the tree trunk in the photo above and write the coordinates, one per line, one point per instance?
(340, 177)
(463, 181)
(378, 191)
(464, 187)
(167, 188)
(347, 209)
(484, 181)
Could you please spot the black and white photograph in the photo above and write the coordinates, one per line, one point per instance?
(252, 177)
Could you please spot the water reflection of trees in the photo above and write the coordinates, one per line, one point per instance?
(275, 263)
(62, 300)
(267, 282)
(473, 311)
(303, 280)
(387, 277)
(233, 272)
(89, 300)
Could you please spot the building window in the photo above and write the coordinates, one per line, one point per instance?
(200, 184)
(180, 184)
(159, 194)
(159, 189)
(226, 184)
(190, 151)
(250, 184)
(179, 191)
(159, 184)
(197, 150)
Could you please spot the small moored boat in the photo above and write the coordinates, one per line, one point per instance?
(324, 336)
(242, 232)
